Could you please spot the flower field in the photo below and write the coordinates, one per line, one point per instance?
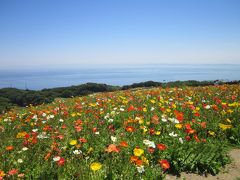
(133, 134)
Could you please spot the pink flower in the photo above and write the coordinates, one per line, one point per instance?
(13, 172)
(60, 137)
(21, 175)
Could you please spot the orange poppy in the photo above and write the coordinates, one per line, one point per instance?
(190, 131)
(130, 129)
(179, 116)
(155, 119)
(124, 144)
(139, 162)
(164, 164)
(133, 158)
(9, 148)
(112, 148)
(47, 156)
(203, 124)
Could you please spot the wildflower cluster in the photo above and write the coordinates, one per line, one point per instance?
(139, 133)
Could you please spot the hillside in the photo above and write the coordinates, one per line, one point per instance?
(141, 133)
(11, 97)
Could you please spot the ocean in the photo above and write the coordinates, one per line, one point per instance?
(36, 79)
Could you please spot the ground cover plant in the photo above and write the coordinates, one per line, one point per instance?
(132, 134)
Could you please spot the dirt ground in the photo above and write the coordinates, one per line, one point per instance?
(230, 172)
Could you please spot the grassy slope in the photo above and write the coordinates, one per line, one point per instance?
(195, 125)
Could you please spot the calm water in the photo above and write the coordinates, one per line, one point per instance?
(115, 75)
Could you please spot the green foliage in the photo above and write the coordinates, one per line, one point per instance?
(5, 104)
(199, 158)
(17, 97)
(177, 84)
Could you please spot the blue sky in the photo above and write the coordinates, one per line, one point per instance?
(38, 33)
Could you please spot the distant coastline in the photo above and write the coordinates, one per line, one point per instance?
(118, 75)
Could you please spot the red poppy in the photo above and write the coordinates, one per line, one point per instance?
(82, 140)
(188, 126)
(197, 114)
(151, 131)
(196, 138)
(64, 126)
(47, 128)
(65, 113)
(61, 161)
(131, 108)
(233, 97)
(161, 147)
(224, 106)
(78, 128)
(162, 109)
(78, 122)
(151, 150)
(27, 136)
(60, 137)
(192, 107)
(111, 127)
(188, 138)
(34, 140)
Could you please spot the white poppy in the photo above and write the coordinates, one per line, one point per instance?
(140, 169)
(114, 139)
(20, 161)
(180, 140)
(77, 152)
(56, 158)
(172, 134)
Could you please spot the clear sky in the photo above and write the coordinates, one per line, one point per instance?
(36, 33)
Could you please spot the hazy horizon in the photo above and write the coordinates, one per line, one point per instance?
(114, 66)
(76, 33)
(115, 75)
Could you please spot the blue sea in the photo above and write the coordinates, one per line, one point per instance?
(41, 78)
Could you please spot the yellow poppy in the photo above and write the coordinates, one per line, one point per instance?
(179, 126)
(224, 126)
(73, 142)
(138, 152)
(96, 166)
(211, 133)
